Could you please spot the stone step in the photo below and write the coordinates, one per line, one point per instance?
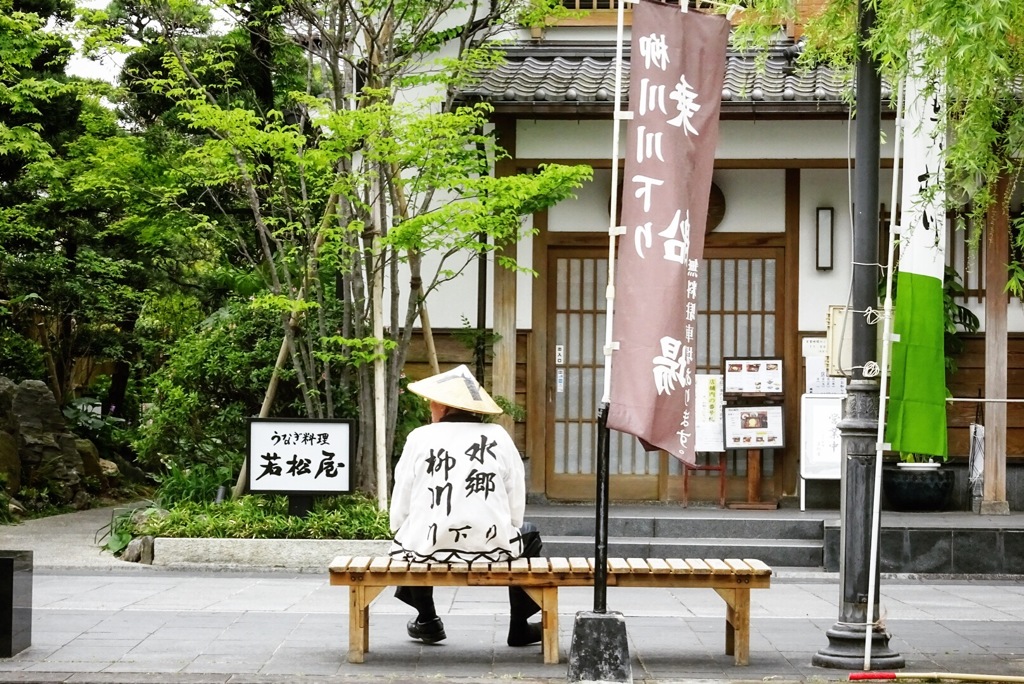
(581, 524)
(795, 553)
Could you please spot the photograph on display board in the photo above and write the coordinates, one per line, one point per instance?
(753, 376)
(754, 427)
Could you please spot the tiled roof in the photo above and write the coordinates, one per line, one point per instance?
(579, 78)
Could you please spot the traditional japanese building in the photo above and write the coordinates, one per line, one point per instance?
(776, 265)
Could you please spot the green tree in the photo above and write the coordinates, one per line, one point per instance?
(973, 52)
(349, 177)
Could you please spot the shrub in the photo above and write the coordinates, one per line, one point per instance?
(213, 379)
(197, 483)
(20, 357)
(266, 517)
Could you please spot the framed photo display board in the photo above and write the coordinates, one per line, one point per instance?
(756, 376)
(754, 427)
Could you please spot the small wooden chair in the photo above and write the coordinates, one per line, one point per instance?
(720, 467)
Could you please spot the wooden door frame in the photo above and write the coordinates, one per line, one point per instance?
(538, 400)
(569, 487)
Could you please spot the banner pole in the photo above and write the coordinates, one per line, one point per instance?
(876, 507)
(600, 646)
(614, 230)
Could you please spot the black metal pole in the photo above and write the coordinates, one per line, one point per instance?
(601, 524)
(480, 350)
(859, 426)
(600, 646)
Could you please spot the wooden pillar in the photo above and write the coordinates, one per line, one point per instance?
(997, 255)
(503, 382)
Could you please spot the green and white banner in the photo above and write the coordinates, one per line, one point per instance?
(916, 418)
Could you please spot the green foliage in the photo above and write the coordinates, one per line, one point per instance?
(301, 188)
(970, 52)
(5, 502)
(510, 408)
(118, 533)
(20, 357)
(543, 13)
(266, 517)
(86, 419)
(212, 380)
(413, 412)
(958, 318)
(196, 483)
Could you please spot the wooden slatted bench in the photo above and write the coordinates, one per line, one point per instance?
(732, 579)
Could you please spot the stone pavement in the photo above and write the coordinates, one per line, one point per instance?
(96, 619)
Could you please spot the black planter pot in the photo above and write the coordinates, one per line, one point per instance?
(917, 490)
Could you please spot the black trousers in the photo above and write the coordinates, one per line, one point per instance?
(521, 606)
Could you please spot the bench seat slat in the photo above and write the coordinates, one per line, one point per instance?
(658, 566)
(380, 564)
(559, 564)
(579, 564)
(359, 563)
(616, 565)
(638, 565)
(717, 565)
(698, 566)
(738, 566)
(340, 563)
(539, 566)
(678, 566)
(760, 567)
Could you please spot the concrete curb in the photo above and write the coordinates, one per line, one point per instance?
(300, 555)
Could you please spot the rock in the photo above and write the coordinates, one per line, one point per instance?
(7, 388)
(47, 450)
(10, 462)
(133, 552)
(147, 550)
(81, 500)
(108, 468)
(90, 456)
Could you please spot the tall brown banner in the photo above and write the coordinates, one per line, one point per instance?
(677, 65)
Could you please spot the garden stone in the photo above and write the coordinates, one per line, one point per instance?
(90, 456)
(146, 557)
(133, 552)
(48, 455)
(10, 463)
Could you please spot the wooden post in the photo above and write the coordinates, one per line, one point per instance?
(997, 255)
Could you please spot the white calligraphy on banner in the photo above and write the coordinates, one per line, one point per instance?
(677, 69)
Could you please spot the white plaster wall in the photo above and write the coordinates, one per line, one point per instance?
(540, 140)
(450, 302)
(589, 211)
(755, 200)
(819, 289)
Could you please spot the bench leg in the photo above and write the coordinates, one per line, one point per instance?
(547, 599)
(359, 599)
(737, 623)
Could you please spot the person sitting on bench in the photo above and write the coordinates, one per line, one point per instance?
(460, 496)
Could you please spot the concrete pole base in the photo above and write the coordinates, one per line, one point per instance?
(845, 650)
(600, 649)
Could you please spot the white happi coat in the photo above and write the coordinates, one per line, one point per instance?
(460, 494)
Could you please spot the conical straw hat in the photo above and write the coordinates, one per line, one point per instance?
(456, 388)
